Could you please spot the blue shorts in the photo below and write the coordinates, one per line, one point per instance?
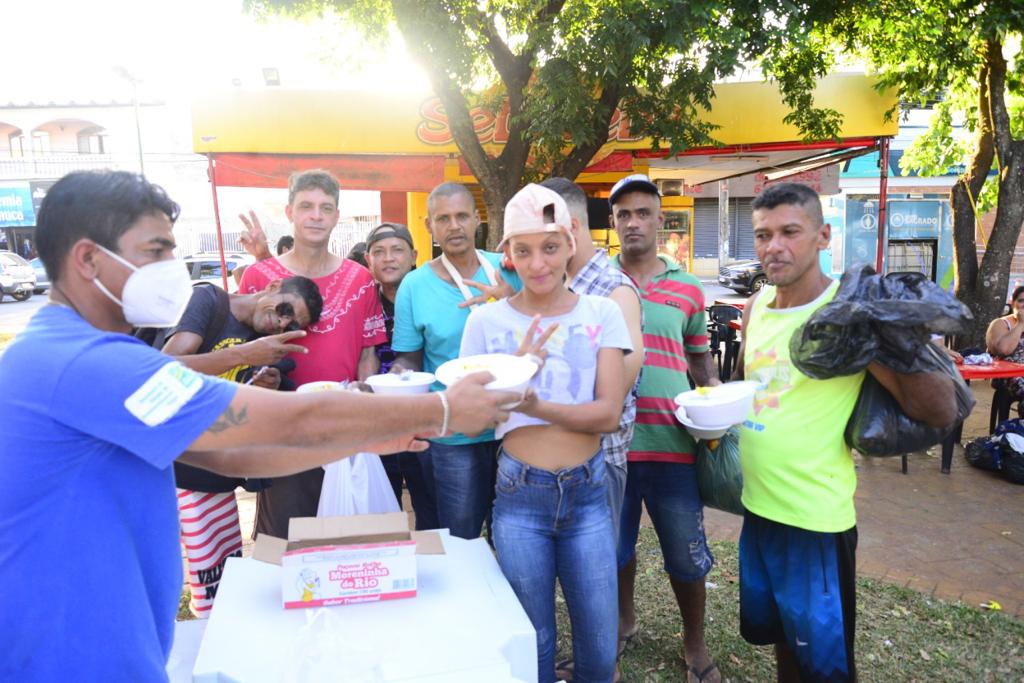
(798, 589)
(669, 491)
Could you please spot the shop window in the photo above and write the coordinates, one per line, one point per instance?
(674, 238)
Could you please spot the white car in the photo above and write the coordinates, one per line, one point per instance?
(17, 278)
(206, 267)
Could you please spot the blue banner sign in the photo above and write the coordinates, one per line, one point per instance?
(914, 218)
(16, 208)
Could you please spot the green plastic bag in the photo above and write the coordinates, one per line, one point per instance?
(719, 476)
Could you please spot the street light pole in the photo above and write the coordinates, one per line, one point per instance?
(138, 128)
(125, 74)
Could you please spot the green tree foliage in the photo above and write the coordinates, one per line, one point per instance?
(967, 56)
(566, 65)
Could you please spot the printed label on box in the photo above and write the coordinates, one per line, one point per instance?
(340, 575)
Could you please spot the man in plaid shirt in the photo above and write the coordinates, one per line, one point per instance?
(591, 272)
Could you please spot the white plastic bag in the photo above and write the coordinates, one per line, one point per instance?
(356, 486)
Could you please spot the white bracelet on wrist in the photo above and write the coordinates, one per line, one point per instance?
(447, 413)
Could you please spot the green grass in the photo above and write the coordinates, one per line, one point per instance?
(902, 635)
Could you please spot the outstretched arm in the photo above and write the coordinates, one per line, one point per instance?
(319, 428)
(263, 351)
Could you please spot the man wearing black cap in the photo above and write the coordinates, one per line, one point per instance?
(661, 474)
(390, 255)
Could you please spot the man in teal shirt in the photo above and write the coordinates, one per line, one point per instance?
(430, 314)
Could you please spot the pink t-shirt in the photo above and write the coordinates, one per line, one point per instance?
(351, 320)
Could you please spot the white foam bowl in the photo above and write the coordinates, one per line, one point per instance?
(725, 404)
(705, 433)
(319, 386)
(511, 373)
(407, 383)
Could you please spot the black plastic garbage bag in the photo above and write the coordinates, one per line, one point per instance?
(879, 427)
(984, 453)
(719, 476)
(1012, 458)
(1013, 465)
(888, 319)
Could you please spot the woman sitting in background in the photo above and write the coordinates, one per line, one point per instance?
(1004, 340)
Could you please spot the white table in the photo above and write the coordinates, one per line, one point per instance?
(187, 637)
(465, 624)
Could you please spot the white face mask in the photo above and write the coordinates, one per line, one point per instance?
(154, 295)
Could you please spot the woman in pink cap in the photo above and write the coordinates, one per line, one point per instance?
(551, 514)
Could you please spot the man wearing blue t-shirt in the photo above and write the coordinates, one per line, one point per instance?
(93, 418)
(430, 313)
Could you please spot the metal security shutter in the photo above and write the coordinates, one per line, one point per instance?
(741, 218)
(705, 228)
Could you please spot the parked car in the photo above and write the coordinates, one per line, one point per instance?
(17, 279)
(42, 279)
(206, 267)
(746, 277)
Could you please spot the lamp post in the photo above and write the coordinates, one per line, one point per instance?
(125, 74)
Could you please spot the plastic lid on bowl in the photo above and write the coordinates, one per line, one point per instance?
(322, 385)
(722, 394)
(508, 370)
(408, 379)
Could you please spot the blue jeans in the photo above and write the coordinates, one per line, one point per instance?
(418, 473)
(669, 491)
(464, 485)
(550, 525)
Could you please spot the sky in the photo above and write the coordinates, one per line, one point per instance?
(68, 50)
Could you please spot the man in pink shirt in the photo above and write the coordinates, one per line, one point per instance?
(340, 346)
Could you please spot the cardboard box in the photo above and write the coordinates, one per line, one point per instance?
(346, 560)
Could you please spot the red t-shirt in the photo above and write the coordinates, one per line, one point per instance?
(351, 320)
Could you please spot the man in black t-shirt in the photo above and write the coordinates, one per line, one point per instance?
(239, 338)
(390, 255)
(253, 331)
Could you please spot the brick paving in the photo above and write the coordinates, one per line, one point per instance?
(958, 536)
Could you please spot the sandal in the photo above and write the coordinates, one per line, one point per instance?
(564, 668)
(694, 676)
(563, 672)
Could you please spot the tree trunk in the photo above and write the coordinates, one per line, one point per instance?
(982, 289)
(496, 196)
(988, 297)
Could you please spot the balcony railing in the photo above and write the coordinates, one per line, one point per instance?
(57, 165)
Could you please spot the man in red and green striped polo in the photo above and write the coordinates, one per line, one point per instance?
(660, 470)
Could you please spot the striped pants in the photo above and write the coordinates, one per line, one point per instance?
(210, 534)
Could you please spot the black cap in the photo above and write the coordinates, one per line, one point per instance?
(386, 230)
(635, 182)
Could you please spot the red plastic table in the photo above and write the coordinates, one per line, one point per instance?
(999, 369)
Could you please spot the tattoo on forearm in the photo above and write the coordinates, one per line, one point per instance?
(229, 418)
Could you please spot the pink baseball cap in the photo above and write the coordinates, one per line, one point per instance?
(537, 209)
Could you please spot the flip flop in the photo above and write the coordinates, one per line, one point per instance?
(624, 642)
(563, 672)
(564, 668)
(694, 676)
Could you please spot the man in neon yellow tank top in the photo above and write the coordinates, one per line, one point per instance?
(797, 548)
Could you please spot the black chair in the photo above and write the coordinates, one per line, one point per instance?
(720, 333)
(1002, 401)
